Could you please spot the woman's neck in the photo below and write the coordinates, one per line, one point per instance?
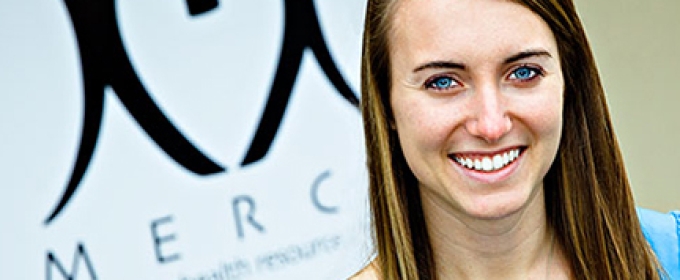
(515, 246)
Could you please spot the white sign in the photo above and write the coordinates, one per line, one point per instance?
(185, 139)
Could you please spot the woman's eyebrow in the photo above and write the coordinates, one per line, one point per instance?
(444, 64)
(440, 64)
(525, 54)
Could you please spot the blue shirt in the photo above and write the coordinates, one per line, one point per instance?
(663, 234)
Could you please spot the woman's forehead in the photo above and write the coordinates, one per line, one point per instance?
(466, 29)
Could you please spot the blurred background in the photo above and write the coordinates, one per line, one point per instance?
(636, 45)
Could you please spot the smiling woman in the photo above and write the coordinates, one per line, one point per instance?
(491, 152)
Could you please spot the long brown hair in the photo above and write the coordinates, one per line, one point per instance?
(588, 199)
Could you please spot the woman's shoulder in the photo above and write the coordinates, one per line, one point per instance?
(662, 231)
(658, 226)
(369, 272)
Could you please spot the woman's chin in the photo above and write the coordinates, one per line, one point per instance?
(497, 207)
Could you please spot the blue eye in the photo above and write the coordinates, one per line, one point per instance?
(441, 83)
(524, 73)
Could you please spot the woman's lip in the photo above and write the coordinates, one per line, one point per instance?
(491, 176)
(487, 153)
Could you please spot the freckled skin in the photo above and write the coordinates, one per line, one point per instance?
(487, 108)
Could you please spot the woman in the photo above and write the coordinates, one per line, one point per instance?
(491, 151)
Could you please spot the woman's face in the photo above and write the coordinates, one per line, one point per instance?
(477, 100)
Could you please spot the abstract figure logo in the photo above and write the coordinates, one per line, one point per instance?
(302, 31)
(105, 63)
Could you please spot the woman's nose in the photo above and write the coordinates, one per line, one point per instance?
(489, 120)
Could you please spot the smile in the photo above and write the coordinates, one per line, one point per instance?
(487, 163)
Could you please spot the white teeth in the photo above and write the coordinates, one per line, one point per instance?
(488, 163)
(515, 154)
(498, 161)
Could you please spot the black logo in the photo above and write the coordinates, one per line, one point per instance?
(105, 63)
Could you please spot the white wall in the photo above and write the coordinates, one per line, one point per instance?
(636, 46)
